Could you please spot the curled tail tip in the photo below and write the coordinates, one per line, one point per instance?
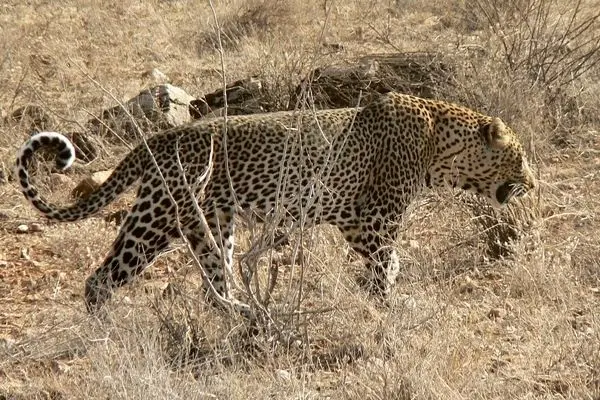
(65, 152)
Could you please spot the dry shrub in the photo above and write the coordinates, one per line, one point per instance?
(501, 229)
(359, 81)
(32, 118)
(183, 327)
(255, 18)
(271, 280)
(554, 43)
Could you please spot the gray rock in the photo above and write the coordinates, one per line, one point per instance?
(152, 110)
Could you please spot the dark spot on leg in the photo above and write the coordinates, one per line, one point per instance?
(345, 214)
(148, 235)
(159, 223)
(138, 232)
(146, 218)
(157, 196)
(144, 205)
(127, 256)
(119, 277)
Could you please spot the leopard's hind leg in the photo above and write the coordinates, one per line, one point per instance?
(146, 232)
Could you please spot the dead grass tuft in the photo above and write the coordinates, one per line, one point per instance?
(501, 229)
(256, 19)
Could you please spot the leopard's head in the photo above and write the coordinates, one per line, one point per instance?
(487, 159)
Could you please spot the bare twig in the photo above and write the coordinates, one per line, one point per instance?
(553, 50)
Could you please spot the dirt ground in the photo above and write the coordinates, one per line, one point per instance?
(462, 323)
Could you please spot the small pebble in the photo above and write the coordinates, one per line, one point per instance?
(495, 313)
(22, 228)
(25, 254)
(283, 375)
(35, 227)
(7, 343)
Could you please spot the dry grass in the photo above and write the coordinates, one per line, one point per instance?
(466, 320)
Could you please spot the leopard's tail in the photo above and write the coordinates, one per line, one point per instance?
(125, 175)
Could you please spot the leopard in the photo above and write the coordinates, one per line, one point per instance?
(356, 168)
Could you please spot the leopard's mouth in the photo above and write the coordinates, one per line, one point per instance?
(508, 190)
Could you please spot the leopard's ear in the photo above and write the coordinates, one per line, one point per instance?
(494, 134)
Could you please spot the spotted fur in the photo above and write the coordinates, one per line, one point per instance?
(357, 169)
